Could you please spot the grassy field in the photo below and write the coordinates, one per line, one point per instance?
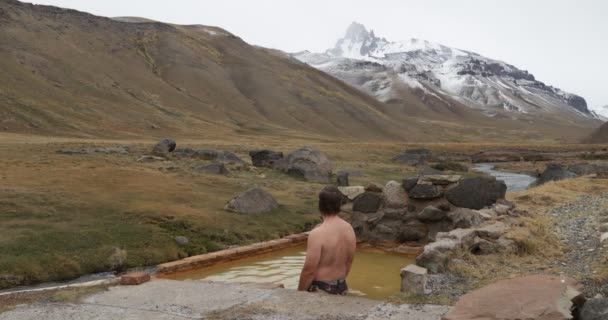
(67, 215)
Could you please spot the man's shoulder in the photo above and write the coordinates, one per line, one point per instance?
(346, 224)
(316, 231)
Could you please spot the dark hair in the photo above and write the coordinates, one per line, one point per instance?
(330, 200)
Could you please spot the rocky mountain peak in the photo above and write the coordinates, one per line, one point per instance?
(357, 43)
(357, 32)
(382, 68)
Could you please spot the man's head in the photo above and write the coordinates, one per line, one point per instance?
(330, 201)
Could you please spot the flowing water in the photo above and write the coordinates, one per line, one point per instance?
(514, 181)
(374, 274)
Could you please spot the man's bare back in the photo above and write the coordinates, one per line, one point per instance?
(330, 252)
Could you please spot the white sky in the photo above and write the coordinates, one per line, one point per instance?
(564, 43)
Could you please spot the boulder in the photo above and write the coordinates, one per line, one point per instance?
(435, 255)
(538, 297)
(554, 172)
(394, 195)
(183, 152)
(254, 200)
(181, 240)
(450, 166)
(413, 279)
(506, 202)
(373, 187)
(213, 168)
(501, 209)
(476, 193)
(409, 183)
(441, 180)
(307, 163)
(413, 157)
(164, 147)
(352, 192)
(482, 246)
(431, 214)
(412, 231)
(265, 158)
(425, 192)
(228, 157)
(487, 214)
(465, 218)
(604, 227)
(595, 309)
(367, 202)
(342, 179)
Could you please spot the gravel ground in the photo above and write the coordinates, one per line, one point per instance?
(178, 300)
(578, 228)
(450, 285)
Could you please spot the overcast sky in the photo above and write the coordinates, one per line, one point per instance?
(564, 43)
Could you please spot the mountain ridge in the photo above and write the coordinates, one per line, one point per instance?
(67, 72)
(70, 73)
(377, 66)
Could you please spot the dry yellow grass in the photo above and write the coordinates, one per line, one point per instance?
(537, 244)
(540, 199)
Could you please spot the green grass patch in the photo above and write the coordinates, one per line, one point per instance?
(50, 237)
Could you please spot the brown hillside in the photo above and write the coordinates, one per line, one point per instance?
(66, 72)
(598, 136)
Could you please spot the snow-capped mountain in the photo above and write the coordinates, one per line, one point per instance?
(446, 75)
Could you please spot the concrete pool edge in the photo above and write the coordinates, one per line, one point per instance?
(208, 259)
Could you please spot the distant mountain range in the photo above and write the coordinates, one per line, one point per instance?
(442, 77)
(69, 73)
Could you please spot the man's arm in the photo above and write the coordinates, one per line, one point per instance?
(313, 256)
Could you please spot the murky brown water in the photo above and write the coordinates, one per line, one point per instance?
(374, 274)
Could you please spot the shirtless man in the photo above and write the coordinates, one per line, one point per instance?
(330, 250)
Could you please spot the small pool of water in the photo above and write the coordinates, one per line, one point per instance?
(374, 274)
(514, 181)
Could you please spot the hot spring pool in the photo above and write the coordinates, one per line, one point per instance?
(374, 274)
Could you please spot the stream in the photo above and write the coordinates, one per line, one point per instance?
(514, 181)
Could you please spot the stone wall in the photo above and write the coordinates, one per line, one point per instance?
(418, 208)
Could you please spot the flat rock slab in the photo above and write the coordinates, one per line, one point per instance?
(538, 297)
(169, 300)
